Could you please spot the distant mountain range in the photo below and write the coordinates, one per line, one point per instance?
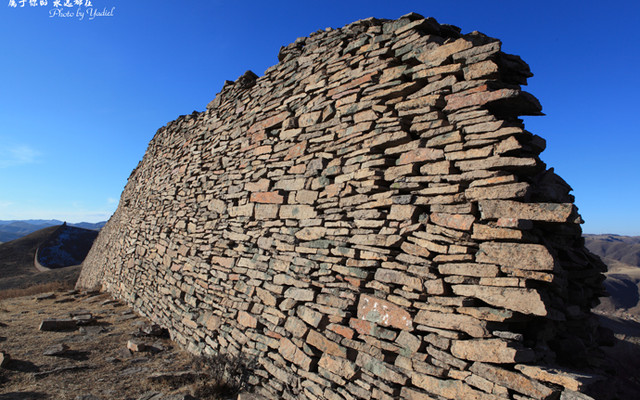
(15, 229)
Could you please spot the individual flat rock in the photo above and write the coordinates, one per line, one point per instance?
(526, 301)
(135, 345)
(514, 381)
(5, 358)
(83, 319)
(383, 313)
(53, 324)
(153, 330)
(571, 380)
(495, 351)
(45, 296)
(573, 395)
(177, 376)
(465, 323)
(57, 350)
(548, 212)
(525, 256)
(448, 388)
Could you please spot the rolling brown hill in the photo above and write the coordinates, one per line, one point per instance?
(16, 256)
(64, 248)
(622, 256)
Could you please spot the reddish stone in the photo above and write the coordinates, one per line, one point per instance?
(296, 151)
(462, 222)
(352, 84)
(527, 256)
(513, 380)
(292, 353)
(383, 313)
(309, 119)
(258, 137)
(325, 345)
(521, 103)
(353, 281)
(273, 334)
(267, 197)
(341, 330)
(332, 190)
(246, 319)
(438, 55)
(362, 327)
(262, 150)
(418, 155)
(298, 169)
(223, 261)
(269, 122)
(190, 323)
(260, 186)
(338, 366)
(212, 322)
(549, 212)
(202, 284)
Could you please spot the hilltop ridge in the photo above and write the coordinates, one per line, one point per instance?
(15, 229)
(59, 247)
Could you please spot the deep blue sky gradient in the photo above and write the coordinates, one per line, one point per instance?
(80, 100)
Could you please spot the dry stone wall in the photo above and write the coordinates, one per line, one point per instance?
(368, 219)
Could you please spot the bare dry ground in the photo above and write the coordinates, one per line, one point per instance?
(97, 361)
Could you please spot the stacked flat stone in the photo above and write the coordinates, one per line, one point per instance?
(368, 219)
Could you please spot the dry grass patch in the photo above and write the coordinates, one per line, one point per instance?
(98, 362)
(36, 289)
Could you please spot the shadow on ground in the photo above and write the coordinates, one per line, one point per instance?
(622, 360)
(21, 366)
(24, 396)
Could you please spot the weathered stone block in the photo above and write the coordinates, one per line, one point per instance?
(338, 366)
(526, 301)
(297, 212)
(300, 294)
(380, 369)
(549, 212)
(496, 351)
(464, 323)
(513, 381)
(449, 388)
(58, 324)
(325, 345)
(267, 197)
(383, 313)
(246, 319)
(526, 256)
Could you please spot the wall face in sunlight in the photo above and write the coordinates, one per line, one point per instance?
(369, 219)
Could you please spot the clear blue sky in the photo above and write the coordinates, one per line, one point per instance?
(80, 99)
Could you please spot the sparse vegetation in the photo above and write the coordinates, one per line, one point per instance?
(225, 375)
(97, 361)
(37, 289)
